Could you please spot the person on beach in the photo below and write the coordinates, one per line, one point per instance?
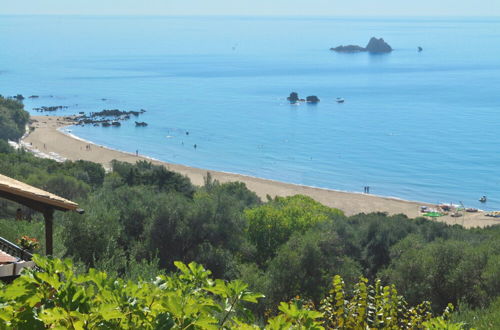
(137, 152)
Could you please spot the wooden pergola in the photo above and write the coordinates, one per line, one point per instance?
(38, 200)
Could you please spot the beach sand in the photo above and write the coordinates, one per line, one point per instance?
(47, 139)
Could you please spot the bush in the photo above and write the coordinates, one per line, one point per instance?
(445, 271)
(13, 119)
(487, 318)
(56, 296)
(272, 224)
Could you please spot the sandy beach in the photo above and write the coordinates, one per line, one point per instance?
(47, 139)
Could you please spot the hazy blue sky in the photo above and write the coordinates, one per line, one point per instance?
(257, 7)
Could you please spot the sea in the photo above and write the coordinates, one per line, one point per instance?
(415, 125)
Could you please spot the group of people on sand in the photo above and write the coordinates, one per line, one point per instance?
(88, 147)
(367, 189)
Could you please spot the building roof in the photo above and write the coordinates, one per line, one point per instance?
(24, 193)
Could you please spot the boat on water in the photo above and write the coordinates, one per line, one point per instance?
(340, 100)
(483, 199)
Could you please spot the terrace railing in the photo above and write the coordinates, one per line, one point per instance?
(14, 250)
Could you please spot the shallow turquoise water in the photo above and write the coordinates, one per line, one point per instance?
(420, 126)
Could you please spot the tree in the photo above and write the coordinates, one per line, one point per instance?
(272, 224)
(13, 119)
(305, 265)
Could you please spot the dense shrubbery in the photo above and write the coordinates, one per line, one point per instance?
(139, 223)
(271, 225)
(56, 296)
(139, 227)
(13, 119)
(476, 318)
(141, 218)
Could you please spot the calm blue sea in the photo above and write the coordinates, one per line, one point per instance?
(420, 126)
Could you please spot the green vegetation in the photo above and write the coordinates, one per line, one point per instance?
(140, 219)
(56, 296)
(13, 120)
(487, 318)
(271, 225)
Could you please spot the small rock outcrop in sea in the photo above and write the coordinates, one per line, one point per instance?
(115, 113)
(141, 124)
(107, 117)
(52, 108)
(374, 46)
(18, 97)
(312, 99)
(293, 98)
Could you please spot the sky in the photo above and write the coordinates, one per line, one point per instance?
(256, 7)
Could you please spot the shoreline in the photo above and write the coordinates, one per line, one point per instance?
(50, 139)
(71, 135)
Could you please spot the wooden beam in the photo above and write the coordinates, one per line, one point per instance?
(32, 204)
(49, 217)
(22, 189)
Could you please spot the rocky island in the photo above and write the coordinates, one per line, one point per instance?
(141, 124)
(312, 99)
(294, 98)
(107, 118)
(374, 46)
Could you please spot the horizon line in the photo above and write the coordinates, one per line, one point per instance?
(251, 15)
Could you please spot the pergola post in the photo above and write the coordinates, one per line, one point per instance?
(49, 217)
